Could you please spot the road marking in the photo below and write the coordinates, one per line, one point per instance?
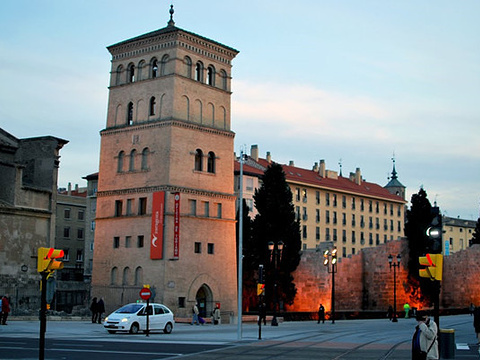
(462, 346)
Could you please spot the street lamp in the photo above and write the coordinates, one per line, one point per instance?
(397, 265)
(275, 250)
(331, 269)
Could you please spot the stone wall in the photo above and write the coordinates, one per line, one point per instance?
(364, 282)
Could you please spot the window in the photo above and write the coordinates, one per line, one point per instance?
(304, 231)
(66, 213)
(362, 238)
(152, 106)
(121, 156)
(344, 236)
(223, 76)
(353, 203)
(140, 67)
(353, 220)
(116, 242)
(118, 208)
(344, 219)
(129, 207)
(198, 248)
(362, 205)
(249, 183)
(92, 225)
(327, 234)
(66, 255)
(154, 67)
(327, 217)
(362, 221)
(131, 73)
(66, 232)
(133, 154)
(334, 217)
(128, 241)
(353, 237)
(113, 276)
(142, 206)
(210, 248)
(206, 208)
(118, 79)
(188, 67)
(327, 199)
(370, 206)
(181, 302)
(304, 195)
(80, 234)
(370, 239)
(145, 153)
(140, 241)
(317, 233)
(81, 215)
(211, 75)
(193, 206)
(219, 211)
(199, 71)
(304, 216)
(297, 212)
(198, 160)
(249, 204)
(317, 215)
(130, 113)
(79, 255)
(317, 197)
(335, 200)
(297, 194)
(163, 65)
(138, 276)
(126, 276)
(334, 234)
(344, 202)
(211, 162)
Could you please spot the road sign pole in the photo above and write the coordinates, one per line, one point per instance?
(148, 314)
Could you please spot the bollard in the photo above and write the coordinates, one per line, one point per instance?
(446, 343)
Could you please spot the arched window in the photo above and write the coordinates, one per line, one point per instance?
(223, 75)
(113, 276)
(138, 276)
(130, 113)
(141, 65)
(126, 276)
(121, 156)
(154, 67)
(211, 75)
(152, 106)
(211, 162)
(145, 153)
(131, 73)
(118, 79)
(133, 153)
(163, 65)
(198, 160)
(188, 67)
(199, 71)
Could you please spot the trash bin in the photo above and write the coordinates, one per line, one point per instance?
(446, 342)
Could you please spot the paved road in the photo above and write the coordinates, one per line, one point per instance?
(352, 339)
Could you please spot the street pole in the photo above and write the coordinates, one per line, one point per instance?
(333, 292)
(43, 316)
(240, 252)
(394, 294)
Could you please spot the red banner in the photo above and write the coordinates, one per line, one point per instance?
(158, 214)
(176, 226)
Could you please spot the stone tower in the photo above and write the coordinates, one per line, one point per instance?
(165, 203)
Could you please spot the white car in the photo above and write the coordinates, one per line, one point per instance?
(133, 318)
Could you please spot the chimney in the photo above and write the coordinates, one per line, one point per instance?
(315, 167)
(291, 163)
(69, 189)
(358, 177)
(321, 172)
(254, 152)
(269, 157)
(76, 188)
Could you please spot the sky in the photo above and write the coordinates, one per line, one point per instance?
(354, 83)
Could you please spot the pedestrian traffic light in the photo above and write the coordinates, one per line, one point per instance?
(434, 266)
(46, 259)
(434, 232)
(260, 289)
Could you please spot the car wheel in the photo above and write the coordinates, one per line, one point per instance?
(134, 328)
(168, 328)
(111, 331)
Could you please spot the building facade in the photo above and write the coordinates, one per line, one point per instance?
(348, 213)
(165, 202)
(91, 209)
(457, 234)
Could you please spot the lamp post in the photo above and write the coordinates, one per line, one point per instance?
(394, 265)
(275, 250)
(331, 269)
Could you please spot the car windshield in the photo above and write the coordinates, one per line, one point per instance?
(129, 309)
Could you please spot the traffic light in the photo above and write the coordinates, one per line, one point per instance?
(260, 289)
(46, 259)
(434, 232)
(334, 256)
(434, 266)
(325, 258)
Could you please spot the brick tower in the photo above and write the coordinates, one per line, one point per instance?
(165, 204)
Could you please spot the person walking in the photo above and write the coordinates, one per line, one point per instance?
(5, 310)
(100, 309)
(216, 316)
(424, 341)
(390, 313)
(471, 309)
(476, 323)
(94, 310)
(406, 307)
(195, 315)
(321, 314)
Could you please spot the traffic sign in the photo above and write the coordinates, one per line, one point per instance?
(145, 293)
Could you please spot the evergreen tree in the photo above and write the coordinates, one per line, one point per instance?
(418, 219)
(476, 234)
(276, 222)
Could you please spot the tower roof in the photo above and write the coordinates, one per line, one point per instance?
(394, 179)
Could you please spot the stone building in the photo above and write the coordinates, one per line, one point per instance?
(348, 213)
(28, 198)
(91, 208)
(165, 202)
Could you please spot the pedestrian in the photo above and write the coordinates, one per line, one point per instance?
(216, 315)
(262, 313)
(195, 314)
(100, 309)
(476, 323)
(321, 314)
(424, 341)
(390, 312)
(94, 310)
(406, 307)
(5, 310)
(471, 309)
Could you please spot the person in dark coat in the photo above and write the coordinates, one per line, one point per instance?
(100, 309)
(321, 314)
(94, 310)
(476, 323)
(5, 310)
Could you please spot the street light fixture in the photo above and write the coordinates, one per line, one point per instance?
(331, 269)
(275, 250)
(394, 265)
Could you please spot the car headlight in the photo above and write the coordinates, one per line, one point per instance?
(124, 320)
(106, 319)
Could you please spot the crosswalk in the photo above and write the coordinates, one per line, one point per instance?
(467, 351)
